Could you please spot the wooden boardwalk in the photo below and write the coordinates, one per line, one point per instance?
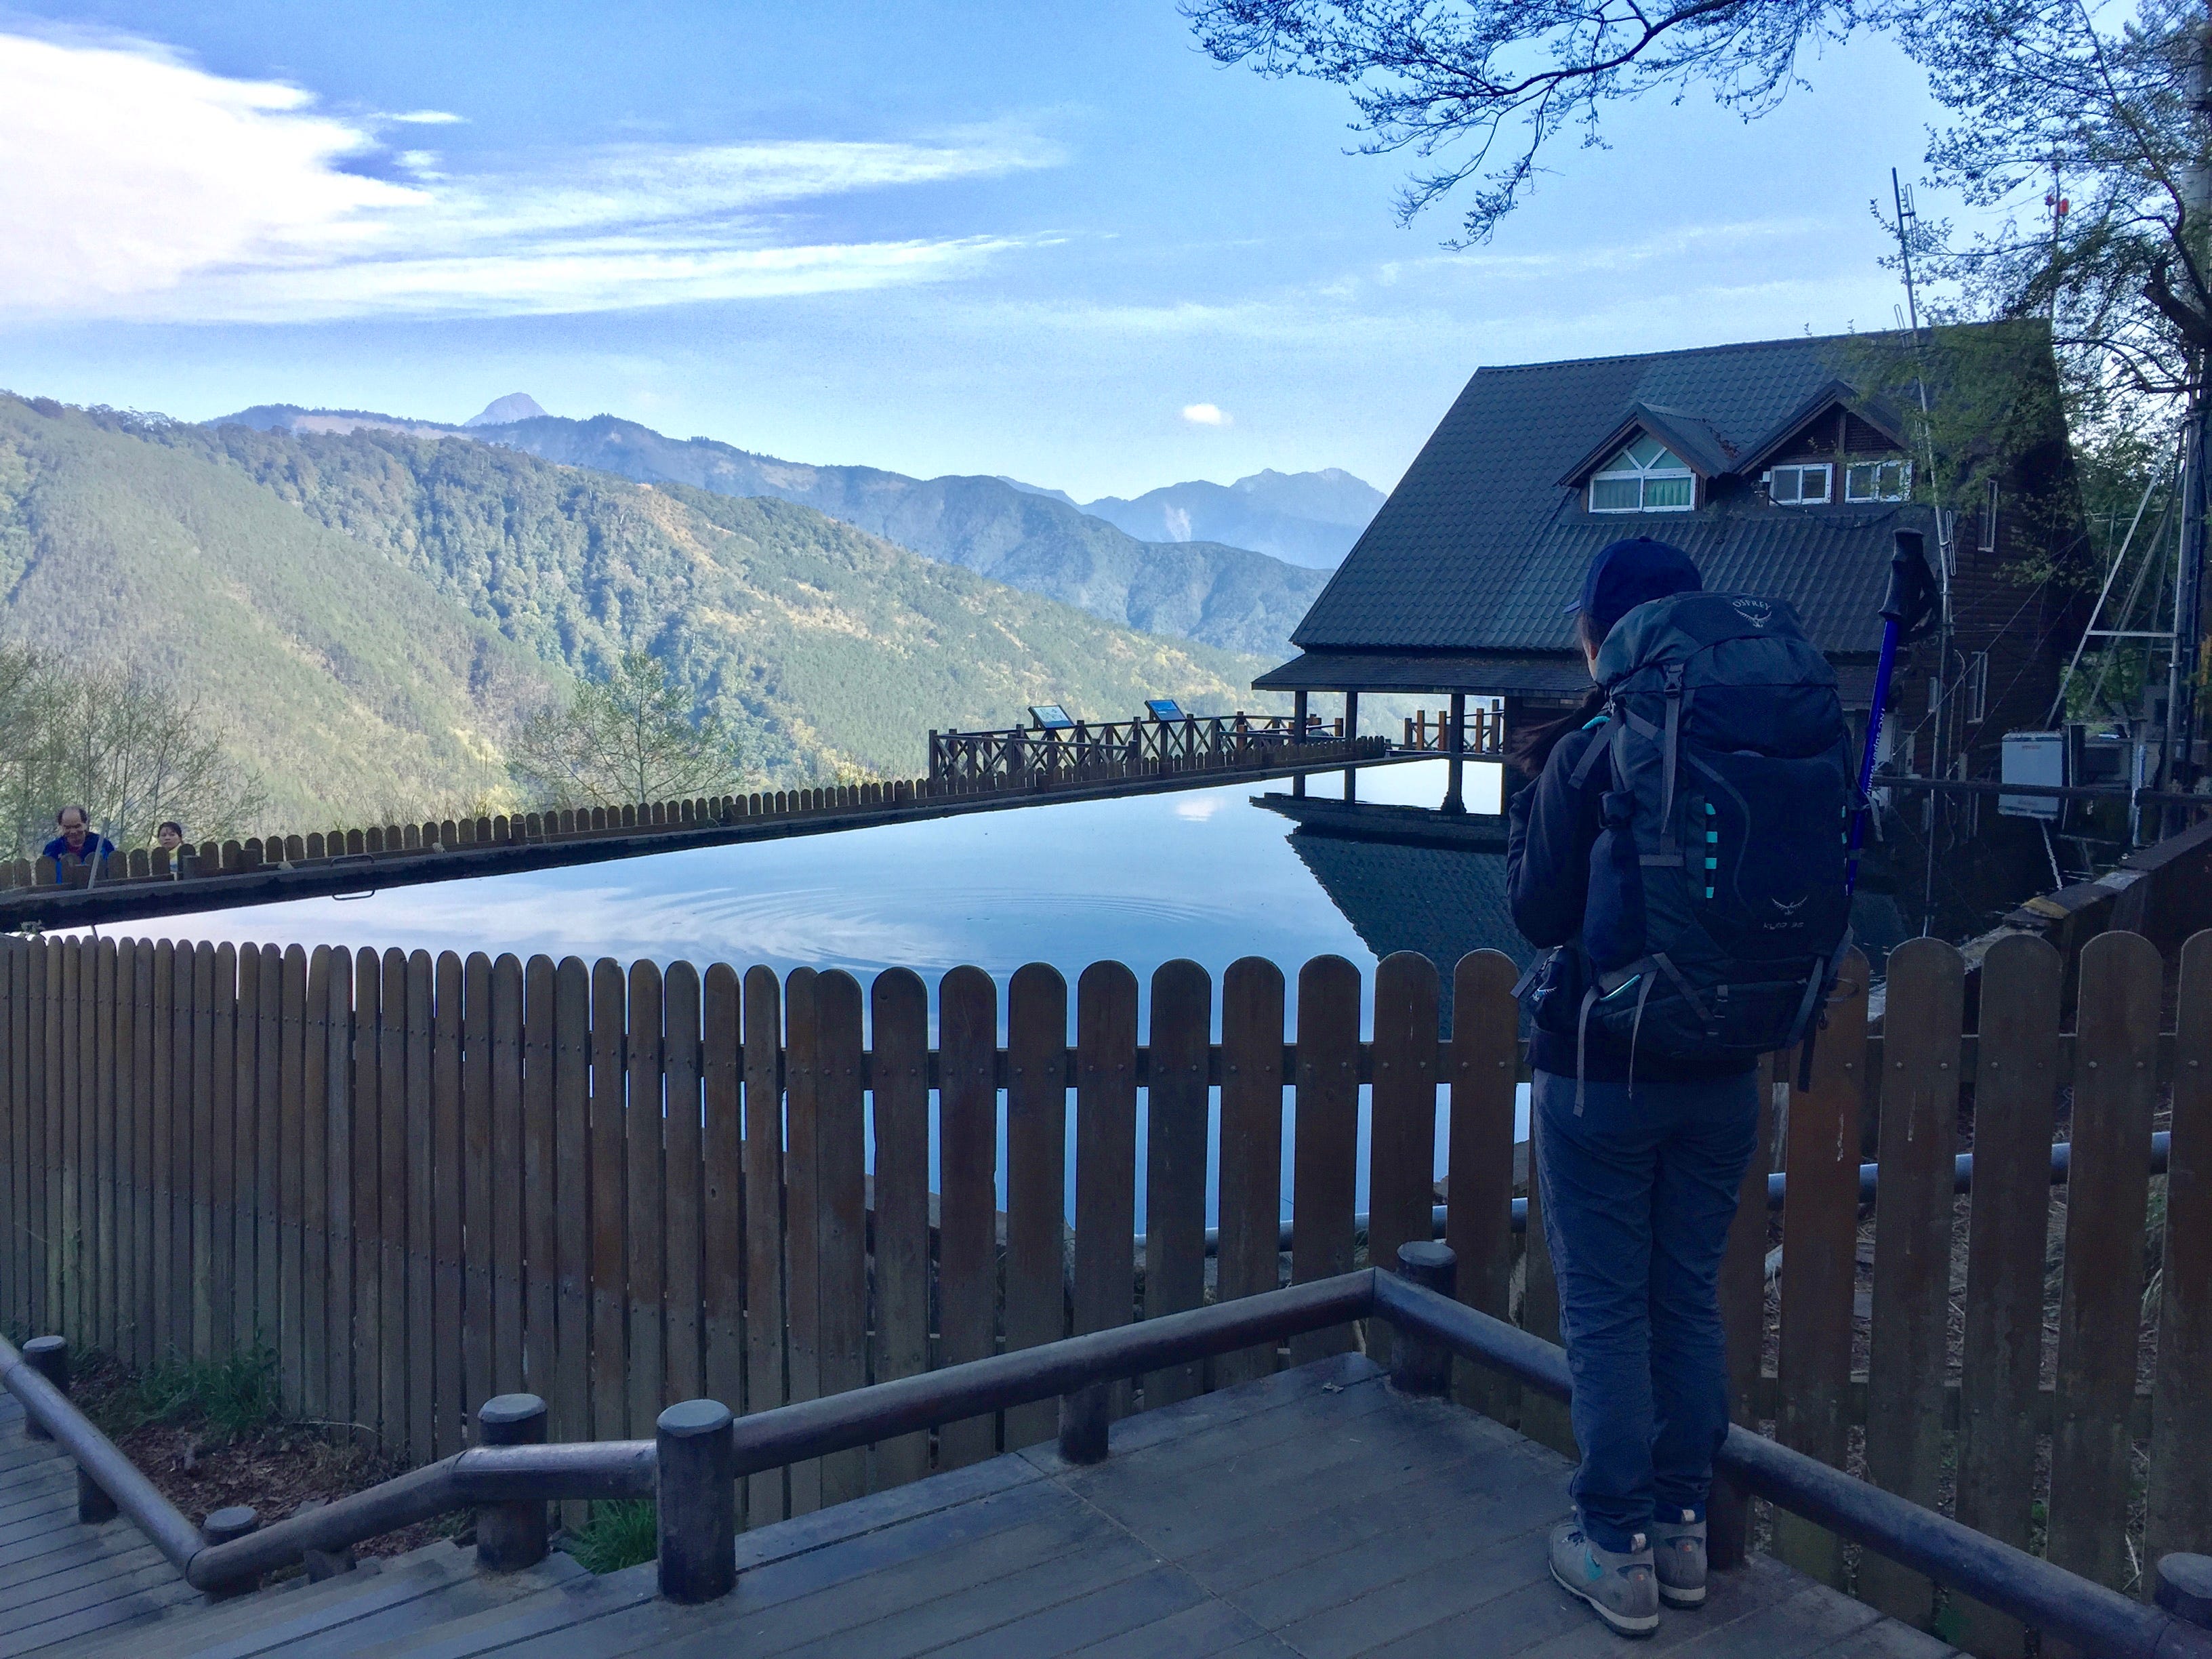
(59, 1580)
(1315, 1513)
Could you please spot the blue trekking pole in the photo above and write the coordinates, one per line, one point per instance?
(1904, 607)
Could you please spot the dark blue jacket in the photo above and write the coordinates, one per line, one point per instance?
(1551, 827)
(57, 849)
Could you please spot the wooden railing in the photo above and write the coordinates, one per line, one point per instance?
(1097, 763)
(422, 1182)
(1029, 757)
(1485, 731)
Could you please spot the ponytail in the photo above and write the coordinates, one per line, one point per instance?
(1528, 749)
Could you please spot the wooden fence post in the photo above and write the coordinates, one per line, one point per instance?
(900, 1010)
(683, 1370)
(801, 1241)
(1485, 1054)
(840, 1219)
(967, 1163)
(392, 1135)
(1251, 1173)
(2000, 1354)
(2178, 1506)
(423, 1189)
(1037, 1179)
(292, 1178)
(480, 1175)
(1325, 1148)
(644, 1120)
(569, 1403)
(1820, 1253)
(1176, 1097)
(1401, 1160)
(1743, 1322)
(269, 1156)
(506, 1195)
(449, 1157)
(1926, 1007)
(2115, 1086)
(765, 1208)
(722, 1221)
(1105, 1152)
(608, 1280)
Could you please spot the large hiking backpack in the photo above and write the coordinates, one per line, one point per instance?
(1716, 917)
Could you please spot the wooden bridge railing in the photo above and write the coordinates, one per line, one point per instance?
(422, 1181)
(1027, 757)
(1484, 727)
(1098, 763)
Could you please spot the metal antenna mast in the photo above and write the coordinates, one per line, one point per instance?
(1907, 221)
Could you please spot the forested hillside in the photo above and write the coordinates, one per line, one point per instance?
(1223, 596)
(347, 683)
(375, 610)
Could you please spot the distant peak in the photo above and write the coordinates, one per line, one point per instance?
(499, 412)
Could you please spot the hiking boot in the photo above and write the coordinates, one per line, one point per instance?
(1618, 1586)
(1678, 1551)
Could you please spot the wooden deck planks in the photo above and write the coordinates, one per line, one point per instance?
(1201, 1534)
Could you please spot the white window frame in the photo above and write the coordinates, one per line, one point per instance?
(1977, 687)
(1904, 466)
(1645, 475)
(1825, 498)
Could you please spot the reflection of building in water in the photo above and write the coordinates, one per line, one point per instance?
(1409, 877)
(1413, 878)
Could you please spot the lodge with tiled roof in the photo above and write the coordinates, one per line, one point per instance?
(1767, 464)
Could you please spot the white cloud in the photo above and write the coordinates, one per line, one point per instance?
(426, 117)
(135, 185)
(1203, 415)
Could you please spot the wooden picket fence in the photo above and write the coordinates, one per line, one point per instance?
(422, 1180)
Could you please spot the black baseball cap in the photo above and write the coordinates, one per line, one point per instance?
(1629, 573)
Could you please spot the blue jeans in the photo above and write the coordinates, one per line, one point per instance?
(1637, 1199)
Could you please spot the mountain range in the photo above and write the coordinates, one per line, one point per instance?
(1309, 518)
(1182, 581)
(364, 615)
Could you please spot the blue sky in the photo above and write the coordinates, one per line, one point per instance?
(934, 237)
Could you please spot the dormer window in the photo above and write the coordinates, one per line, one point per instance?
(1807, 485)
(1645, 477)
(1878, 481)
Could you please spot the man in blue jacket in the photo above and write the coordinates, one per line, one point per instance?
(1638, 1192)
(75, 847)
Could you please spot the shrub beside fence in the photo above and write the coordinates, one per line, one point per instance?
(422, 1181)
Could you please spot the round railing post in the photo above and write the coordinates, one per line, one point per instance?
(511, 1536)
(227, 1526)
(2184, 1588)
(696, 1492)
(1083, 1424)
(1420, 1364)
(48, 1357)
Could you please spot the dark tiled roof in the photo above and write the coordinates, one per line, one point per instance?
(1560, 673)
(1479, 548)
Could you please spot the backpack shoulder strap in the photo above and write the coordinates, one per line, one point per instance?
(1599, 750)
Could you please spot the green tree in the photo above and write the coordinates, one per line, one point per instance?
(114, 739)
(630, 739)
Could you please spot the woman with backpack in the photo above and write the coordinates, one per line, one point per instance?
(1652, 856)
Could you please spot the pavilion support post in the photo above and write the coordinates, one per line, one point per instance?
(1455, 746)
(1350, 735)
(1299, 736)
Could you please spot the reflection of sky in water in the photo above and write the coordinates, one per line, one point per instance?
(1143, 879)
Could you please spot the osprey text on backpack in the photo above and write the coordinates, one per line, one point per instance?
(1716, 917)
